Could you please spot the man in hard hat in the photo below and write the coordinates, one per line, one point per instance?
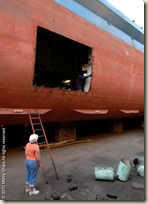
(33, 162)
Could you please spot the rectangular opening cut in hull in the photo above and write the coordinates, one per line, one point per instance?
(59, 61)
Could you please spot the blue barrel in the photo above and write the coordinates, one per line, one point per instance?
(124, 170)
(104, 173)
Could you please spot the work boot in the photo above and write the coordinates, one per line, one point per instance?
(34, 192)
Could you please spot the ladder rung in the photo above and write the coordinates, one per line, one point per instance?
(41, 135)
(36, 123)
(33, 113)
(38, 129)
(42, 143)
(34, 117)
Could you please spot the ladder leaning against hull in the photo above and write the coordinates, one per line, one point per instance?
(38, 128)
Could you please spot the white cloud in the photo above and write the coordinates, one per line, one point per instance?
(133, 9)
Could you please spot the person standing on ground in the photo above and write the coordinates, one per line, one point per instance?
(33, 162)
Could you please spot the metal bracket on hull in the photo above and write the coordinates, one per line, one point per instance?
(91, 111)
(129, 111)
(11, 111)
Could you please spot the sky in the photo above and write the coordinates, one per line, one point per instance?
(133, 9)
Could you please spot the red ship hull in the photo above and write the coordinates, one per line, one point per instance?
(117, 84)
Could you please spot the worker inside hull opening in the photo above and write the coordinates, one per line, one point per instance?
(59, 62)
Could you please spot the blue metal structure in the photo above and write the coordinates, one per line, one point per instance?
(102, 14)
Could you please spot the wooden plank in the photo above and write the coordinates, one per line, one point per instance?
(65, 143)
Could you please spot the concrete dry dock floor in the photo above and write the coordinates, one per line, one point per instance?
(79, 161)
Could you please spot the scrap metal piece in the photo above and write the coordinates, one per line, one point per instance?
(111, 196)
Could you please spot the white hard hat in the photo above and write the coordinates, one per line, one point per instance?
(84, 74)
(33, 138)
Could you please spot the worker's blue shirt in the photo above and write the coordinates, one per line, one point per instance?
(80, 82)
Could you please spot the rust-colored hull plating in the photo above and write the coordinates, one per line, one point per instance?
(117, 87)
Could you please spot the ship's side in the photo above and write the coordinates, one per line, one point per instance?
(117, 82)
